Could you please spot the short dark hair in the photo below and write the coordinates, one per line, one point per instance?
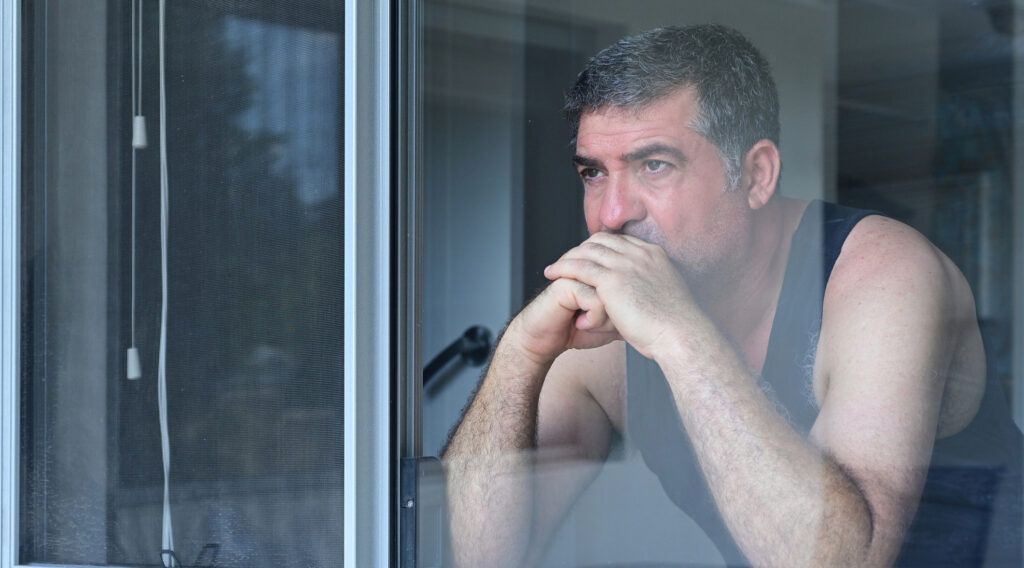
(737, 98)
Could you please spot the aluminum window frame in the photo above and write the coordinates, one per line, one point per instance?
(369, 459)
(10, 156)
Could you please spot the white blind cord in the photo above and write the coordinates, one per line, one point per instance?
(167, 540)
(139, 60)
(133, 366)
(136, 105)
(136, 80)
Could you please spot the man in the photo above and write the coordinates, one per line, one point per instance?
(803, 378)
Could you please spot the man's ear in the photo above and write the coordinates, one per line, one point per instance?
(761, 168)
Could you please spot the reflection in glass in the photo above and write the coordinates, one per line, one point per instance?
(905, 110)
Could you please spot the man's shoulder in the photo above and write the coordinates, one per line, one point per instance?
(884, 257)
(895, 297)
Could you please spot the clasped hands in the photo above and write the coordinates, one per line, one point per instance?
(609, 287)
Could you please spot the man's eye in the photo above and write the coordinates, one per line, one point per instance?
(655, 166)
(588, 174)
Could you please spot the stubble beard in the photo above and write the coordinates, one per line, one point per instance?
(706, 266)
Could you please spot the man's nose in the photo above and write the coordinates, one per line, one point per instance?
(621, 204)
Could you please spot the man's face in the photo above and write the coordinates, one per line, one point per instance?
(649, 174)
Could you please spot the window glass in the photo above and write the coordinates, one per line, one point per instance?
(252, 318)
(907, 110)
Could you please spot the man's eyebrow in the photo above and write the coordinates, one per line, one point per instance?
(586, 162)
(638, 154)
(655, 149)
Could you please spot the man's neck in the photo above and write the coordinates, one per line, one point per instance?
(743, 305)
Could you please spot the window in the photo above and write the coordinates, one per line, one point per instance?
(904, 108)
(301, 317)
(255, 269)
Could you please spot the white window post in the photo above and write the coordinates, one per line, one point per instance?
(368, 433)
(9, 160)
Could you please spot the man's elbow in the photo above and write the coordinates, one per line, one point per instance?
(855, 534)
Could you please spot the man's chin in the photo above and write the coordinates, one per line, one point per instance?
(702, 279)
(693, 275)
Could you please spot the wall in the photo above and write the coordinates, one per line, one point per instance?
(466, 271)
(471, 122)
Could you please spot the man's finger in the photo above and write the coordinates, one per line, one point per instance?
(588, 250)
(592, 316)
(574, 295)
(583, 270)
(595, 320)
(583, 299)
(619, 242)
(628, 244)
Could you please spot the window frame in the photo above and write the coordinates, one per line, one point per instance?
(368, 458)
(381, 275)
(10, 156)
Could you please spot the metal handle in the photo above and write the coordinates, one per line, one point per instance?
(473, 346)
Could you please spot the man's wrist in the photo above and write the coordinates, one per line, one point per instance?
(515, 348)
(683, 343)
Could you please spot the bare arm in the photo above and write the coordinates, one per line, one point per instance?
(845, 496)
(505, 496)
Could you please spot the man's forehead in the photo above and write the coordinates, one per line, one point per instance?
(668, 120)
(683, 100)
(676, 110)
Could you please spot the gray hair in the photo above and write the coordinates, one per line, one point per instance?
(738, 101)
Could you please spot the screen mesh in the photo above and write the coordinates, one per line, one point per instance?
(254, 312)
